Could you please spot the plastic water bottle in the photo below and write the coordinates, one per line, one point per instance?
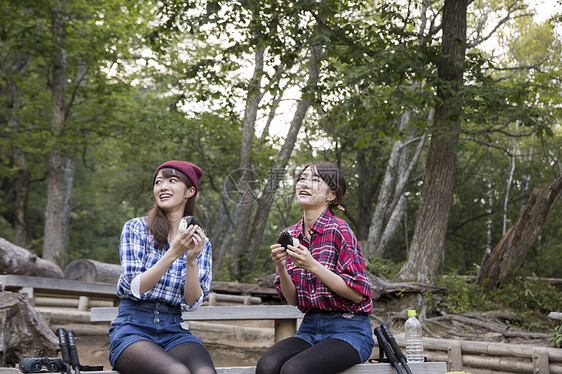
(413, 333)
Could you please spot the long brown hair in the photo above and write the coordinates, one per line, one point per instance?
(158, 223)
(332, 175)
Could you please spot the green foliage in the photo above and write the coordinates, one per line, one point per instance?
(135, 108)
(556, 337)
(383, 267)
(464, 295)
(522, 293)
(528, 299)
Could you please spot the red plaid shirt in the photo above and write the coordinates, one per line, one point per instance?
(335, 246)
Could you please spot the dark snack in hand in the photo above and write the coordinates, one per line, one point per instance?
(286, 239)
(186, 221)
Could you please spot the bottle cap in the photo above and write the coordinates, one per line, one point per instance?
(411, 313)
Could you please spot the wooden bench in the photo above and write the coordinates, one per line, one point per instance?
(62, 287)
(417, 368)
(49, 288)
(285, 316)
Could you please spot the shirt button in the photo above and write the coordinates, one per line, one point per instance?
(156, 319)
(312, 291)
(157, 312)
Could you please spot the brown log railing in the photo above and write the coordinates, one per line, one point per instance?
(487, 357)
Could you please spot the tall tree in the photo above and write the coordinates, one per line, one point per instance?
(275, 39)
(22, 32)
(61, 162)
(424, 256)
(70, 44)
(13, 103)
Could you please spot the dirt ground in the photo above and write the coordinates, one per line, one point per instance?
(93, 349)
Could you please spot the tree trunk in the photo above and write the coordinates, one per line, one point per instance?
(426, 251)
(368, 182)
(512, 248)
(92, 271)
(221, 233)
(22, 195)
(24, 332)
(390, 205)
(245, 201)
(269, 191)
(18, 66)
(18, 260)
(57, 211)
(61, 166)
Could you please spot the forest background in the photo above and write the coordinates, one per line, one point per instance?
(444, 117)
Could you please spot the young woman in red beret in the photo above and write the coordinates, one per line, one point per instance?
(164, 271)
(323, 274)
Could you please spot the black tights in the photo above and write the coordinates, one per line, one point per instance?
(145, 357)
(296, 356)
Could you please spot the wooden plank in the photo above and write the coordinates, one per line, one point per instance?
(540, 361)
(417, 368)
(454, 358)
(12, 282)
(243, 312)
(209, 313)
(243, 288)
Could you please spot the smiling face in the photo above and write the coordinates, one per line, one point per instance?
(170, 192)
(312, 190)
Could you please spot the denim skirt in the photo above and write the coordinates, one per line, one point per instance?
(319, 325)
(155, 321)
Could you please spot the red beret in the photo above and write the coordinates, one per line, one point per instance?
(191, 171)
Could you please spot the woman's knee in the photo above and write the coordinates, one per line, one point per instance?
(292, 366)
(175, 368)
(204, 370)
(266, 364)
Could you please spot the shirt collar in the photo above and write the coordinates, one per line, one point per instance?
(319, 225)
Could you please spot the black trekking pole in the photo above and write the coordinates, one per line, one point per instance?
(73, 352)
(385, 347)
(397, 351)
(63, 342)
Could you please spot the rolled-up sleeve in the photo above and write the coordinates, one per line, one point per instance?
(350, 264)
(131, 253)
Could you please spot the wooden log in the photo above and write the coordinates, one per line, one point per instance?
(511, 250)
(62, 316)
(215, 298)
(25, 333)
(67, 302)
(92, 271)
(380, 286)
(18, 260)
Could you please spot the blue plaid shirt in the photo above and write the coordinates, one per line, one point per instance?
(138, 253)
